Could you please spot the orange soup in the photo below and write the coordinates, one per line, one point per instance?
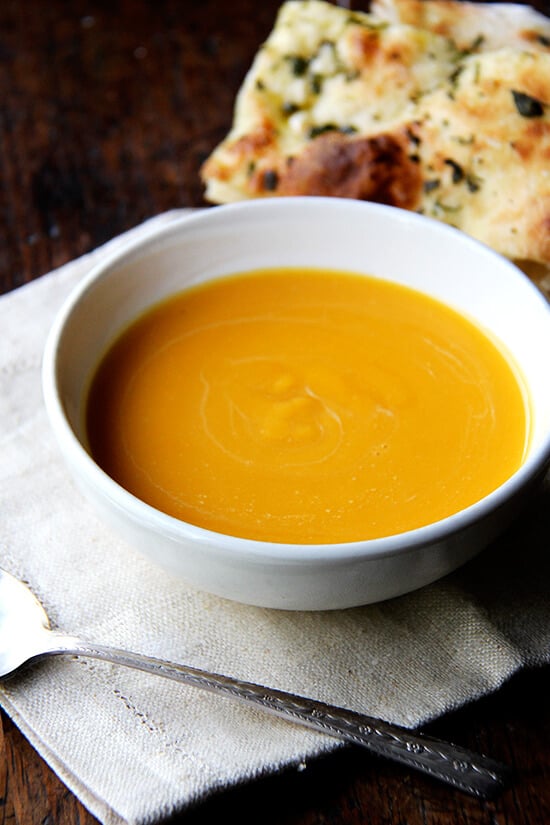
(306, 406)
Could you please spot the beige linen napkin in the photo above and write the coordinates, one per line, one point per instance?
(135, 747)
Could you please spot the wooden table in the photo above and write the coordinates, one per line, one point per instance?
(107, 110)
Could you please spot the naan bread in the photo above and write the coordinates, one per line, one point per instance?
(487, 26)
(412, 105)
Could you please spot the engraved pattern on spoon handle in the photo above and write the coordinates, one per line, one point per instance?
(475, 774)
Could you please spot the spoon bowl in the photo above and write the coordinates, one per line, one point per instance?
(24, 624)
(25, 636)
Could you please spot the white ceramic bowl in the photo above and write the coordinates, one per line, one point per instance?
(341, 234)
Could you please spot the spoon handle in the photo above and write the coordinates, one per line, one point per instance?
(475, 774)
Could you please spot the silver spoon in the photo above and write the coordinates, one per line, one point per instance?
(25, 636)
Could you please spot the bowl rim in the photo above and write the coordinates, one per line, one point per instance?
(254, 549)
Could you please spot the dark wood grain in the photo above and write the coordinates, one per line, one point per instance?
(107, 110)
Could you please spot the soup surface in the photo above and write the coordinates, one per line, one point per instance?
(306, 406)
